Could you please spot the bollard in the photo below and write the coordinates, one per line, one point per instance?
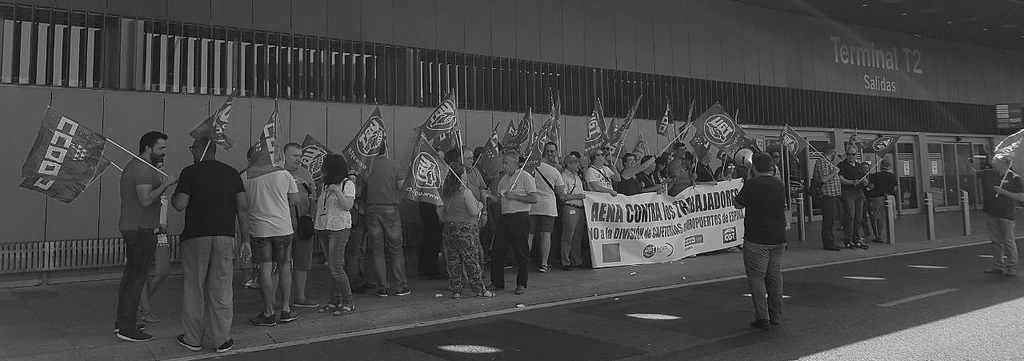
(890, 218)
(930, 208)
(801, 224)
(965, 207)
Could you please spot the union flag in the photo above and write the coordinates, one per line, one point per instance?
(64, 159)
(215, 126)
(441, 129)
(370, 142)
(423, 184)
(266, 157)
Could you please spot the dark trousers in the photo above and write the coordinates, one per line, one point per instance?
(763, 264)
(513, 230)
(829, 208)
(854, 215)
(430, 243)
(139, 248)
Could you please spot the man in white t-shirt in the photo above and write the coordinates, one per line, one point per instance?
(599, 177)
(518, 194)
(550, 188)
(270, 197)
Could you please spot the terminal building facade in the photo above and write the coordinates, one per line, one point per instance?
(124, 67)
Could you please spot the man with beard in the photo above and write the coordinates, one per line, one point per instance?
(141, 189)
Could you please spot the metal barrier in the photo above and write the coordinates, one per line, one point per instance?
(930, 208)
(890, 218)
(801, 223)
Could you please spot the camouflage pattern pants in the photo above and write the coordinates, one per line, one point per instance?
(462, 255)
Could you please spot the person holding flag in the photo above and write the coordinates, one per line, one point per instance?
(1002, 189)
(518, 193)
(826, 174)
(141, 189)
(853, 182)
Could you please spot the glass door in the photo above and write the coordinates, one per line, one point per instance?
(905, 168)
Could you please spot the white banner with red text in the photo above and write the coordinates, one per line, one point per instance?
(656, 228)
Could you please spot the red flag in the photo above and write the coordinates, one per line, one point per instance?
(266, 158)
(369, 143)
(792, 141)
(64, 149)
(442, 126)
(215, 126)
(618, 135)
(312, 158)
(715, 128)
(423, 184)
(63, 189)
(881, 145)
(641, 147)
(516, 137)
(596, 135)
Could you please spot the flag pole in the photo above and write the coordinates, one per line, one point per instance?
(136, 157)
(449, 168)
(673, 141)
(206, 148)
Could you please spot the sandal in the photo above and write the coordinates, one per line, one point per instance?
(330, 307)
(341, 310)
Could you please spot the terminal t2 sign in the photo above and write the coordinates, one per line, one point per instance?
(875, 60)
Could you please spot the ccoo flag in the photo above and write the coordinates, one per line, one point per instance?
(65, 158)
(265, 157)
(369, 143)
(423, 184)
(215, 126)
(596, 135)
(441, 129)
(62, 189)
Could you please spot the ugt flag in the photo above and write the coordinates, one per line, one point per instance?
(215, 126)
(65, 155)
(266, 158)
(666, 119)
(715, 128)
(312, 158)
(792, 141)
(618, 134)
(881, 145)
(441, 127)
(596, 136)
(370, 142)
(423, 184)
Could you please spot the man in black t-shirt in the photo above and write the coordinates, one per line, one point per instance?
(212, 195)
(764, 239)
(880, 184)
(852, 178)
(1002, 190)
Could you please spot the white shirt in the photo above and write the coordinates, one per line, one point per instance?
(601, 175)
(269, 213)
(573, 185)
(546, 203)
(524, 185)
(330, 216)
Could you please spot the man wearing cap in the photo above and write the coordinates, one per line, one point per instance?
(880, 184)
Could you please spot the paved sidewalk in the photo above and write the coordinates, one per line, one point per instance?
(74, 321)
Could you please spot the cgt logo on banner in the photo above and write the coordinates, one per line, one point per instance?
(656, 228)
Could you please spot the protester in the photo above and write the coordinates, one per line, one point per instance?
(827, 174)
(358, 260)
(651, 178)
(140, 188)
(518, 193)
(550, 188)
(253, 281)
(880, 184)
(302, 223)
(599, 177)
(852, 178)
(631, 169)
(702, 171)
(212, 196)
(384, 227)
(999, 205)
(333, 223)
(270, 196)
(727, 167)
(764, 222)
(573, 218)
(161, 265)
(460, 215)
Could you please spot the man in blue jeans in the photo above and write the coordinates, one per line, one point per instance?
(141, 189)
(764, 240)
(1002, 189)
(384, 227)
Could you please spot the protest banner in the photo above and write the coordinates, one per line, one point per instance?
(657, 228)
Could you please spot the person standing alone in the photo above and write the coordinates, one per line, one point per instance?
(211, 194)
(880, 184)
(764, 240)
(141, 188)
(1002, 189)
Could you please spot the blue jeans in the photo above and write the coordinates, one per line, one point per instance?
(139, 248)
(384, 229)
(341, 290)
(763, 264)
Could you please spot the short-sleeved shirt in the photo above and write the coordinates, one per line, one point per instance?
(524, 185)
(381, 182)
(601, 175)
(829, 188)
(545, 178)
(330, 215)
(456, 209)
(212, 188)
(764, 199)
(883, 184)
(133, 215)
(573, 185)
(269, 212)
(307, 188)
(851, 171)
(1001, 206)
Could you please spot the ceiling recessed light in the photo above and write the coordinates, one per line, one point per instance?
(984, 28)
(903, 13)
(917, 36)
(949, 22)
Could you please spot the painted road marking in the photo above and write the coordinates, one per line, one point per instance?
(985, 256)
(653, 316)
(474, 316)
(922, 266)
(766, 295)
(864, 278)
(918, 297)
